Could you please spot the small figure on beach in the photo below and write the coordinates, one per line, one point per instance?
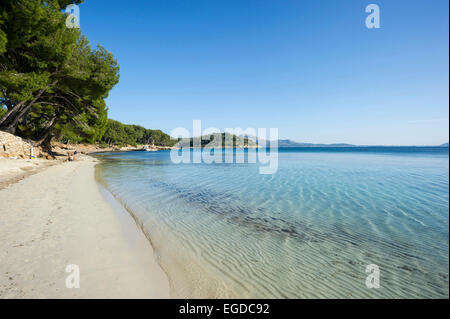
(71, 157)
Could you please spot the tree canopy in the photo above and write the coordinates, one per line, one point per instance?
(117, 133)
(52, 83)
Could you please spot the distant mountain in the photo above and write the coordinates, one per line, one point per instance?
(289, 143)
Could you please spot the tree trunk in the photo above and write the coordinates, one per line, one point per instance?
(45, 137)
(10, 121)
(15, 109)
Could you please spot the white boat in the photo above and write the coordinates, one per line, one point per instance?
(147, 149)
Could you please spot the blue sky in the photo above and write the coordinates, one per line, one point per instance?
(310, 68)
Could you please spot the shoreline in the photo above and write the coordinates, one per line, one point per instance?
(129, 223)
(58, 217)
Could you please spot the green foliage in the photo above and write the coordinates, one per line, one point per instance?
(117, 133)
(2, 111)
(53, 85)
(218, 140)
(51, 82)
(3, 38)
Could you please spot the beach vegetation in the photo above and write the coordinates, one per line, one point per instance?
(53, 85)
(120, 134)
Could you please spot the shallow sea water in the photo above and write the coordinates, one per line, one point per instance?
(307, 231)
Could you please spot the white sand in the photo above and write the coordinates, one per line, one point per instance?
(58, 217)
(13, 170)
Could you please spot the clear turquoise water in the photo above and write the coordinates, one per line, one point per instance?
(308, 231)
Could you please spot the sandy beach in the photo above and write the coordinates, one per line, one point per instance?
(58, 216)
(14, 170)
